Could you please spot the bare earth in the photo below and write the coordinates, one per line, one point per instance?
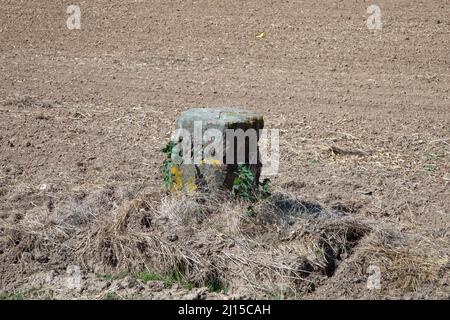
(364, 118)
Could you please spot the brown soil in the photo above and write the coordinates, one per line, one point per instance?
(365, 133)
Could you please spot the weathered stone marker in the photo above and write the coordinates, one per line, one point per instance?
(211, 144)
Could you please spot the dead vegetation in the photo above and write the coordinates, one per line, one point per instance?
(407, 262)
(288, 249)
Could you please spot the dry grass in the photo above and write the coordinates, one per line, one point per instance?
(407, 261)
(215, 239)
(289, 246)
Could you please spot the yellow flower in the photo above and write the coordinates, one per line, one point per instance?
(178, 184)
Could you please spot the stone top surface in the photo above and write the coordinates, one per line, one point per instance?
(225, 115)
